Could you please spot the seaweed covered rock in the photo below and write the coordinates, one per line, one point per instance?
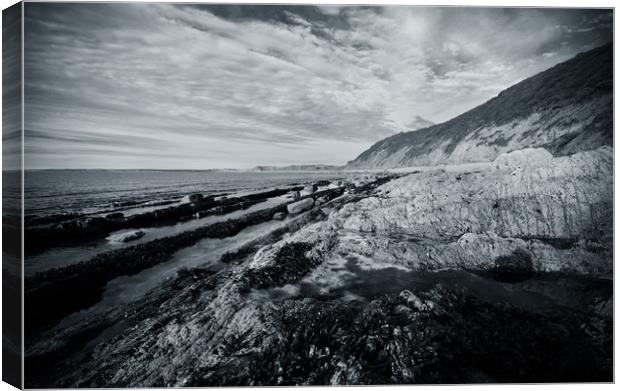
(318, 342)
(117, 216)
(290, 264)
(91, 223)
(514, 267)
(195, 197)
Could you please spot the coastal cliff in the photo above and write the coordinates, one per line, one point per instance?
(565, 109)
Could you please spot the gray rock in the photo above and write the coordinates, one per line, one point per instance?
(310, 188)
(412, 300)
(195, 197)
(91, 222)
(279, 216)
(300, 206)
(321, 200)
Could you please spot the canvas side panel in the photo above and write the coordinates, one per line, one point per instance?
(12, 195)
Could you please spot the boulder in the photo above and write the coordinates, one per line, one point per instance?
(279, 216)
(411, 300)
(321, 200)
(300, 206)
(195, 197)
(310, 188)
(91, 223)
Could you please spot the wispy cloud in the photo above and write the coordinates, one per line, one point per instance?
(180, 86)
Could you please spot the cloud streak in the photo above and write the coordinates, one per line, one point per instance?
(184, 86)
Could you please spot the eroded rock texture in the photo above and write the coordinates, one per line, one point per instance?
(559, 211)
(494, 274)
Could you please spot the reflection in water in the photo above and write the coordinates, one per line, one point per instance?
(350, 277)
(62, 256)
(206, 253)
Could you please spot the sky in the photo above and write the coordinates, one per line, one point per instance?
(11, 88)
(173, 86)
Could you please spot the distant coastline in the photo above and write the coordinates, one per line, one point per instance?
(289, 168)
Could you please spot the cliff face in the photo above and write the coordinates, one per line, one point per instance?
(565, 109)
(524, 199)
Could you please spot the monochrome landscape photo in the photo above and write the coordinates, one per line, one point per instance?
(276, 195)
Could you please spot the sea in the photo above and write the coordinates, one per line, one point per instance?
(53, 192)
(48, 192)
(98, 192)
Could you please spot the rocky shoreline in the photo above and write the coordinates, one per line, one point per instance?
(75, 228)
(500, 274)
(58, 292)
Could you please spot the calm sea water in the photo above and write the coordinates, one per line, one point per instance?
(87, 191)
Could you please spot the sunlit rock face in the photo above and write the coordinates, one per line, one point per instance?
(558, 208)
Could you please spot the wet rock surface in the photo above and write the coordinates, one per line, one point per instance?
(84, 228)
(397, 279)
(292, 264)
(442, 335)
(58, 292)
